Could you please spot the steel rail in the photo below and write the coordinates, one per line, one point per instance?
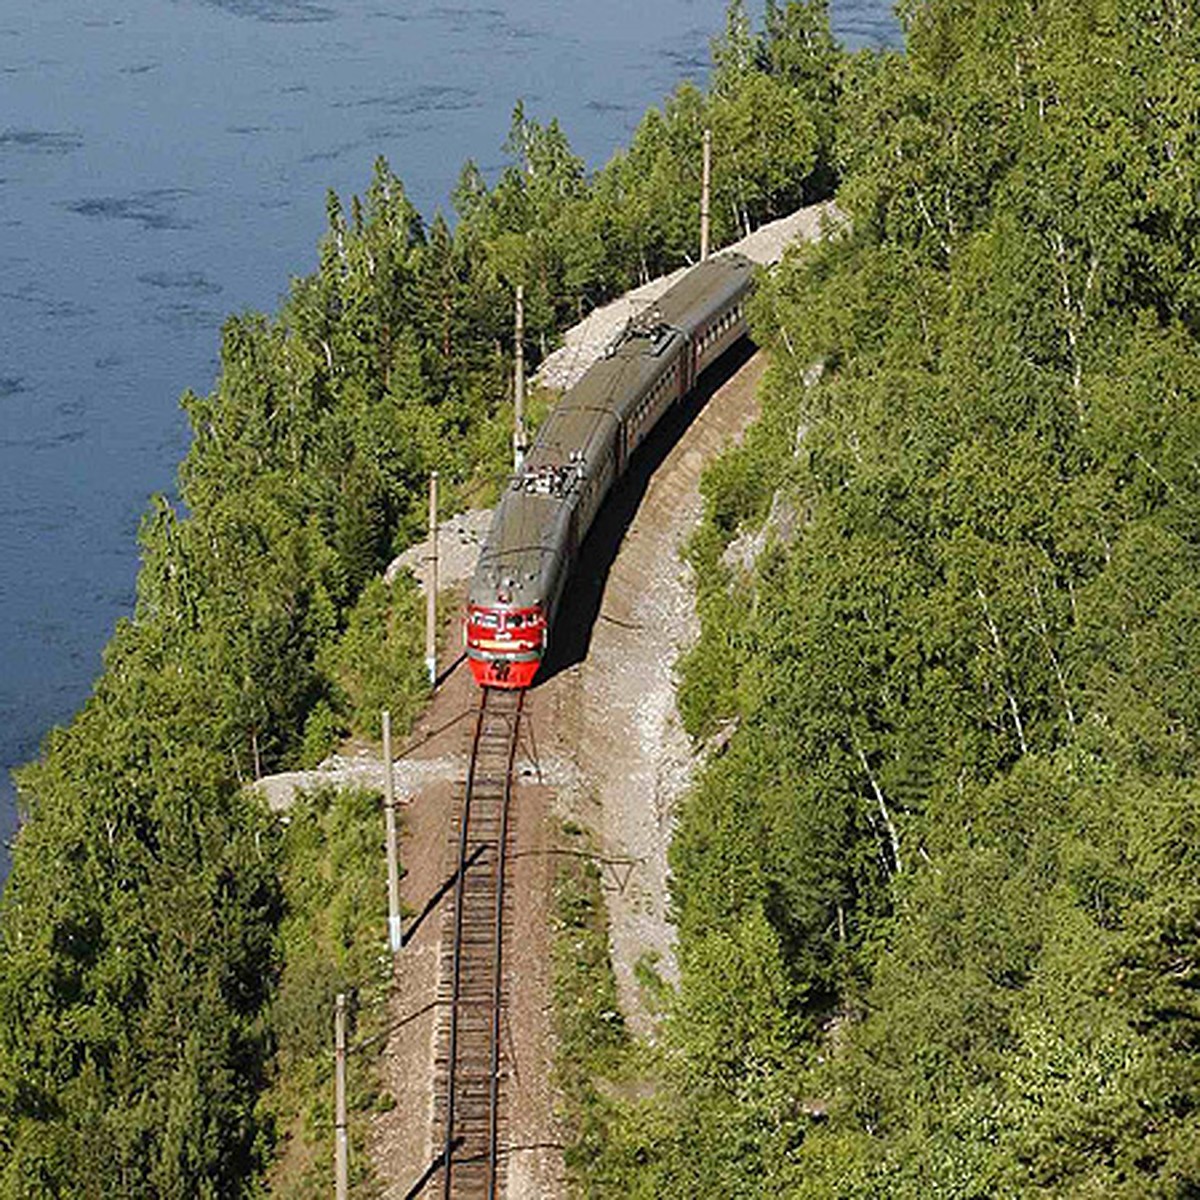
(483, 788)
(459, 902)
(498, 951)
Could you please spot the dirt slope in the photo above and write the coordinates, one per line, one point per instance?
(612, 709)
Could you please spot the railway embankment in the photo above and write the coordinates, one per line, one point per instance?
(605, 749)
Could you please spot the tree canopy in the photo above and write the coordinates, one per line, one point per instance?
(938, 900)
(149, 952)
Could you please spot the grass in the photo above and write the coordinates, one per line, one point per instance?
(334, 939)
(596, 1057)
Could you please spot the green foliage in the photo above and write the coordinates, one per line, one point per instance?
(590, 1033)
(322, 733)
(138, 944)
(377, 663)
(333, 939)
(939, 886)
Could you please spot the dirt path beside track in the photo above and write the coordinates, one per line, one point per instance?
(612, 710)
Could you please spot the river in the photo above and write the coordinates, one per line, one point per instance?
(164, 163)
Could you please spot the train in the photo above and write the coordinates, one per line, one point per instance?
(579, 454)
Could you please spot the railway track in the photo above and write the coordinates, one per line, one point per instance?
(469, 1097)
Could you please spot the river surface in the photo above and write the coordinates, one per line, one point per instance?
(164, 163)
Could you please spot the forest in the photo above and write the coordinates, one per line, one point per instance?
(938, 894)
(938, 899)
(169, 950)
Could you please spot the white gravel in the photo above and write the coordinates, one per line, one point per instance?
(585, 342)
(409, 776)
(459, 539)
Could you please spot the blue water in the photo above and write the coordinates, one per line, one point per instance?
(164, 163)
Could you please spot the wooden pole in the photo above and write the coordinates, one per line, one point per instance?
(395, 929)
(431, 586)
(341, 1150)
(705, 194)
(519, 383)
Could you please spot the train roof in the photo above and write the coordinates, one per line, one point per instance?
(519, 557)
(529, 526)
(642, 353)
(709, 286)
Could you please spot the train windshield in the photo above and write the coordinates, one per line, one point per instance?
(500, 619)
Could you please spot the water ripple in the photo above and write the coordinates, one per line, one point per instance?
(275, 12)
(47, 441)
(41, 141)
(430, 97)
(607, 106)
(332, 153)
(187, 316)
(54, 309)
(192, 282)
(157, 208)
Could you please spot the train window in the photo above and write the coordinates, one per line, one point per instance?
(487, 619)
(515, 621)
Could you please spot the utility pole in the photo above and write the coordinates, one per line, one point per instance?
(431, 584)
(341, 1150)
(519, 383)
(395, 930)
(705, 191)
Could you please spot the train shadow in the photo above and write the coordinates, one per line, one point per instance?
(572, 635)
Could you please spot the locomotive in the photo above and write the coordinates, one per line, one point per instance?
(580, 452)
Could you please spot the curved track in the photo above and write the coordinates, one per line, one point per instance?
(469, 1096)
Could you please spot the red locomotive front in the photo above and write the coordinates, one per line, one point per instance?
(505, 645)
